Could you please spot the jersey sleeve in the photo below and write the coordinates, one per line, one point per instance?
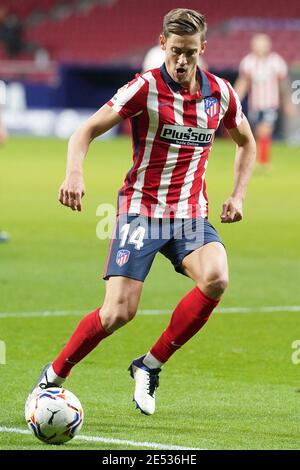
(131, 99)
(281, 67)
(234, 114)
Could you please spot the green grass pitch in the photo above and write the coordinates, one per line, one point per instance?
(233, 386)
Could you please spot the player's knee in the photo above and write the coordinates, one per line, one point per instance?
(116, 314)
(123, 315)
(216, 284)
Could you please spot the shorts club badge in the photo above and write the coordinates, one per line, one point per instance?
(122, 257)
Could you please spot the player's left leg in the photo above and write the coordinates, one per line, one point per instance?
(208, 268)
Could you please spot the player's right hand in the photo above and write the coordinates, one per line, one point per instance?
(71, 192)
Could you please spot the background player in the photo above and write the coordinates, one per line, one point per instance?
(174, 111)
(263, 74)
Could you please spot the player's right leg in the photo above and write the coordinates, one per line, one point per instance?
(119, 307)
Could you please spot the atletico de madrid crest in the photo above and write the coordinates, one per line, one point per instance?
(122, 257)
(211, 106)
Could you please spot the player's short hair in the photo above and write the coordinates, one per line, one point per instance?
(183, 21)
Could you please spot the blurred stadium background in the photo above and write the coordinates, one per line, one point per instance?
(240, 390)
(72, 54)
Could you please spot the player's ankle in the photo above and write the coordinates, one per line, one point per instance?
(151, 361)
(54, 376)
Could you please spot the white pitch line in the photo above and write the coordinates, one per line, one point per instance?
(267, 309)
(79, 313)
(107, 440)
(53, 313)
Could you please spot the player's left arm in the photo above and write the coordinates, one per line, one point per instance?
(242, 86)
(232, 210)
(286, 97)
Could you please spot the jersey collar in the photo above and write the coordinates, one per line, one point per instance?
(176, 87)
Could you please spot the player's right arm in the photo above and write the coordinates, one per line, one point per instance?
(242, 84)
(72, 189)
(129, 101)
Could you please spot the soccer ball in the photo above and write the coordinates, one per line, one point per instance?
(54, 415)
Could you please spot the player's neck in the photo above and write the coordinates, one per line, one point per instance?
(192, 85)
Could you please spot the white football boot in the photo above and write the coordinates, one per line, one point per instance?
(47, 379)
(146, 383)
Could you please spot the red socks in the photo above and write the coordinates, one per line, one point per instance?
(264, 150)
(189, 316)
(85, 338)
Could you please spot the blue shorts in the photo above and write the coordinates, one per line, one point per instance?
(137, 239)
(268, 115)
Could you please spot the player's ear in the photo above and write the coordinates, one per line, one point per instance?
(203, 46)
(162, 41)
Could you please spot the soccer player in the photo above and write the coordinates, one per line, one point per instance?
(174, 111)
(263, 74)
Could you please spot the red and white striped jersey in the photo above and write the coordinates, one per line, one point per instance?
(264, 74)
(172, 134)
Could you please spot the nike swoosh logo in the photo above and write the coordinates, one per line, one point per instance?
(176, 345)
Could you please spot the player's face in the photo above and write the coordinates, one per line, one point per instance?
(261, 45)
(182, 55)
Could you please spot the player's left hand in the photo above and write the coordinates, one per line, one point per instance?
(232, 210)
(72, 191)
